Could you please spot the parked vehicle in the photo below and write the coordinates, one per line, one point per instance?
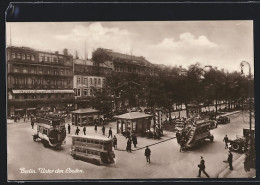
(93, 149)
(50, 131)
(238, 145)
(213, 124)
(223, 120)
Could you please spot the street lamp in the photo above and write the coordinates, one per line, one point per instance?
(250, 157)
(249, 89)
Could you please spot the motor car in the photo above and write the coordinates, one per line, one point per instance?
(223, 120)
(213, 124)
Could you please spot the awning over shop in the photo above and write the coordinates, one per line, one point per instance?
(18, 109)
(31, 109)
(41, 91)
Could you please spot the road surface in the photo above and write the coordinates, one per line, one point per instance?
(25, 156)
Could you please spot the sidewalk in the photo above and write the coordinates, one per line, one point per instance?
(238, 170)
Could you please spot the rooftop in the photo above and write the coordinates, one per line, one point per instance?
(140, 60)
(87, 110)
(133, 115)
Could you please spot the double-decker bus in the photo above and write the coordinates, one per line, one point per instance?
(51, 131)
(195, 133)
(94, 149)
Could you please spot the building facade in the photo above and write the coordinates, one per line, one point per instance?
(37, 79)
(88, 78)
(123, 63)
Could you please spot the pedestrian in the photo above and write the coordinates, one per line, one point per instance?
(226, 141)
(103, 130)
(115, 141)
(134, 138)
(84, 130)
(230, 160)
(77, 131)
(24, 117)
(95, 127)
(110, 133)
(147, 154)
(32, 123)
(69, 128)
(202, 167)
(129, 145)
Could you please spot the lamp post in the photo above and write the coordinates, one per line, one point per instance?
(250, 157)
(250, 95)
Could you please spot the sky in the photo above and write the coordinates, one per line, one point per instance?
(221, 44)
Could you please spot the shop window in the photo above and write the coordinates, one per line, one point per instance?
(99, 81)
(91, 82)
(95, 81)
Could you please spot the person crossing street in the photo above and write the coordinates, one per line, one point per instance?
(202, 167)
(147, 154)
(226, 141)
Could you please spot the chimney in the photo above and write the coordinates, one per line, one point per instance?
(65, 51)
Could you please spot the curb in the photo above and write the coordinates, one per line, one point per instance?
(236, 163)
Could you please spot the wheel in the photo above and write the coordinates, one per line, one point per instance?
(34, 138)
(45, 144)
(235, 147)
(211, 139)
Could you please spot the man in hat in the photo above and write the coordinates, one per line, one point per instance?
(202, 167)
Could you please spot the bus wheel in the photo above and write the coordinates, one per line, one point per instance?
(211, 139)
(45, 144)
(235, 146)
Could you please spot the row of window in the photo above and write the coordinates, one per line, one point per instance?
(35, 81)
(23, 56)
(92, 81)
(85, 92)
(41, 96)
(42, 57)
(35, 70)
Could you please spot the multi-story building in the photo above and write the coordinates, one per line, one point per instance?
(88, 78)
(37, 79)
(123, 63)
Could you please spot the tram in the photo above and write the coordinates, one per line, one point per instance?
(195, 134)
(51, 131)
(93, 149)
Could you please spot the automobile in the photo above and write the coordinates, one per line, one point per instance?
(213, 124)
(147, 111)
(223, 120)
(238, 144)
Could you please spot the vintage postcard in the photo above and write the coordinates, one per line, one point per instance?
(130, 100)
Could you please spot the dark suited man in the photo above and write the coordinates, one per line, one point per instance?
(202, 167)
